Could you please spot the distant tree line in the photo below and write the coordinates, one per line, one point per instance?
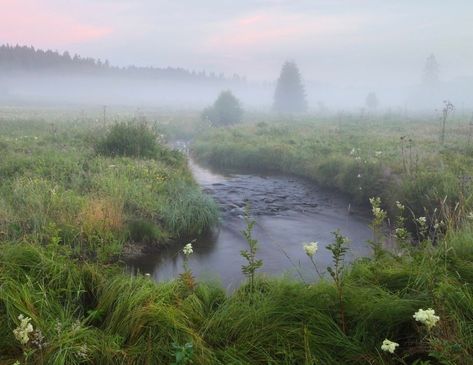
(29, 59)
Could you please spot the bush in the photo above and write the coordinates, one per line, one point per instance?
(225, 111)
(129, 139)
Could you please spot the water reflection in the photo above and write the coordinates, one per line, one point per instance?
(288, 212)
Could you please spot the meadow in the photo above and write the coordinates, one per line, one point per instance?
(75, 194)
(64, 181)
(390, 156)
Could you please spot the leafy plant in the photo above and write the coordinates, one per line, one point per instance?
(183, 353)
(339, 248)
(254, 264)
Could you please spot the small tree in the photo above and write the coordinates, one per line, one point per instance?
(430, 77)
(372, 101)
(225, 111)
(289, 96)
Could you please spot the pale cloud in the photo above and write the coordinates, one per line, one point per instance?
(33, 23)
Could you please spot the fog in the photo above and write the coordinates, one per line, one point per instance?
(178, 54)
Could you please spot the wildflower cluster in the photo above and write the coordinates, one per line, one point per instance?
(82, 352)
(379, 214)
(400, 231)
(187, 250)
(22, 332)
(389, 346)
(422, 226)
(426, 317)
(186, 278)
(311, 248)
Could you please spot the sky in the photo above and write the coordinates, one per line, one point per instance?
(347, 42)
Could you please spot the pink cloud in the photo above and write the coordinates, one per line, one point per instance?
(28, 22)
(251, 19)
(258, 30)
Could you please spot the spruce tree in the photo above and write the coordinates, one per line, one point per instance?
(289, 96)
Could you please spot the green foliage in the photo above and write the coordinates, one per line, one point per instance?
(129, 139)
(91, 313)
(254, 264)
(183, 353)
(225, 111)
(338, 249)
(145, 232)
(58, 188)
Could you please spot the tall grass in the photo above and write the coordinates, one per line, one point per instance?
(117, 319)
(55, 184)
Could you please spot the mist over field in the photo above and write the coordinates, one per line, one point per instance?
(182, 55)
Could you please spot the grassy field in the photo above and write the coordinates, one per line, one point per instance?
(73, 194)
(65, 181)
(385, 156)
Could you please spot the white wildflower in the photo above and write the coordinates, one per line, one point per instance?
(401, 233)
(83, 351)
(359, 176)
(187, 250)
(389, 346)
(470, 216)
(76, 326)
(399, 205)
(379, 214)
(311, 248)
(22, 332)
(426, 317)
(422, 221)
(353, 151)
(378, 153)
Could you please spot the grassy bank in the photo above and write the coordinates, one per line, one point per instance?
(72, 195)
(66, 181)
(391, 158)
(82, 313)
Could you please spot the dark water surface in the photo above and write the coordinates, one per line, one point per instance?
(288, 212)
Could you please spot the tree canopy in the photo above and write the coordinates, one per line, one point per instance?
(225, 111)
(290, 96)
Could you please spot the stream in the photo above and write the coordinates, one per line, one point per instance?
(288, 211)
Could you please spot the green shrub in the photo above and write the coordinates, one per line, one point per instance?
(129, 139)
(225, 111)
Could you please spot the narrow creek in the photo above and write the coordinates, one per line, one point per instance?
(288, 212)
